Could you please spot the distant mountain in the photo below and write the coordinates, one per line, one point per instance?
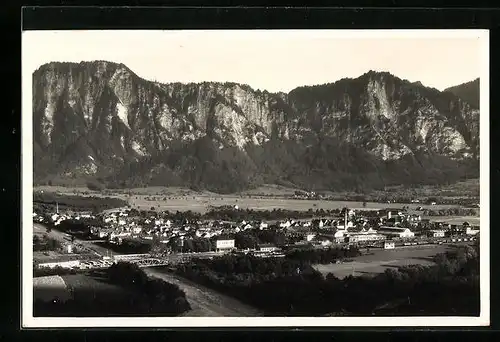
(468, 92)
(100, 121)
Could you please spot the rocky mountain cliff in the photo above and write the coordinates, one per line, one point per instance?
(100, 121)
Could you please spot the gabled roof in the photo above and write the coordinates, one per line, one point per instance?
(393, 229)
(266, 245)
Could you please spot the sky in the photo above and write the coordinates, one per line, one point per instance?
(277, 60)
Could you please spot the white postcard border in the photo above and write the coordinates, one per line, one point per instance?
(28, 321)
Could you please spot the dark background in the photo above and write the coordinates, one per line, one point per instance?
(206, 18)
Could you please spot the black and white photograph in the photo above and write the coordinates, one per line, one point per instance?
(184, 178)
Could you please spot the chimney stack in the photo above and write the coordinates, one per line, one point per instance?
(345, 219)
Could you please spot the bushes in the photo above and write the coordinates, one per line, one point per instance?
(162, 297)
(44, 243)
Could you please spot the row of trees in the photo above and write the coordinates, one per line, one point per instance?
(228, 213)
(58, 270)
(44, 243)
(323, 256)
(291, 287)
(46, 201)
(451, 212)
(162, 297)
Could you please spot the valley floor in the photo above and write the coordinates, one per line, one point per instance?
(378, 260)
(183, 200)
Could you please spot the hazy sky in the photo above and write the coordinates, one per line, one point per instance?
(271, 60)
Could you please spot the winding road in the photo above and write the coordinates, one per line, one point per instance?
(205, 302)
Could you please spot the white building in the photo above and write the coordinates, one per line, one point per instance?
(399, 232)
(339, 235)
(267, 248)
(286, 224)
(471, 231)
(326, 243)
(63, 264)
(343, 227)
(247, 226)
(437, 233)
(309, 237)
(389, 245)
(362, 237)
(224, 245)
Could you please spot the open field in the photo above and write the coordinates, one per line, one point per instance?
(379, 260)
(473, 220)
(205, 302)
(468, 188)
(90, 286)
(50, 287)
(200, 202)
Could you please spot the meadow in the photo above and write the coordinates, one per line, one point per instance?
(379, 260)
(180, 199)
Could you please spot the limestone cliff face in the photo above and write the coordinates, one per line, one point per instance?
(98, 118)
(390, 117)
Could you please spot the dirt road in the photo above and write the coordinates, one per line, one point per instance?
(205, 302)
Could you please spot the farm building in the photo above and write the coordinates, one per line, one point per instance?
(437, 233)
(396, 232)
(58, 260)
(361, 237)
(224, 245)
(471, 230)
(63, 264)
(267, 248)
(392, 212)
(389, 245)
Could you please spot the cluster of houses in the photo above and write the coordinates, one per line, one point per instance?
(350, 227)
(57, 218)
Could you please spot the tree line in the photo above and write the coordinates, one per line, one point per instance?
(44, 244)
(162, 297)
(451, 212)
(46, 201)
(293, 288)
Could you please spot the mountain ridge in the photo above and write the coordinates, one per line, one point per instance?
(468, 91)
(369, 131)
